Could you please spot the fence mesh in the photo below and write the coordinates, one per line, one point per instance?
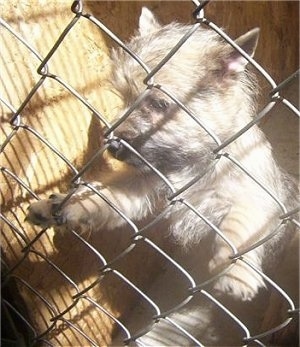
(64, 314)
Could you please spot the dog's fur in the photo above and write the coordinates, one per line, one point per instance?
(210, 79)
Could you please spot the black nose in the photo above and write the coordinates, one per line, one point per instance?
(117, 149)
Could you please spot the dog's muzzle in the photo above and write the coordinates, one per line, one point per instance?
(117, 149)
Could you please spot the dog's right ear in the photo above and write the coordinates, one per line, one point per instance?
(147, 23)
(248, 42)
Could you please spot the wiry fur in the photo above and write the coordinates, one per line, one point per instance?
(209, 77)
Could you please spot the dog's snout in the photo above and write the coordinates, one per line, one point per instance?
(117, 149)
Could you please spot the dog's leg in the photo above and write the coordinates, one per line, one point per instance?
(96, 207)
(243, 225)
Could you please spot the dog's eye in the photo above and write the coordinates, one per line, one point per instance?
(159, 104)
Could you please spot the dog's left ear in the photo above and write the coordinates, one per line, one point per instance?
(148, 23)
(248, 42)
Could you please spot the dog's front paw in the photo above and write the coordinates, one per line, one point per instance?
(43, 212)
(240, 282)
(81, 212)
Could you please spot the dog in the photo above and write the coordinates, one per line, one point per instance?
(177, 133)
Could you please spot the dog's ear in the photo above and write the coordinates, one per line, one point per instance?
(236, 62)
(147, 23)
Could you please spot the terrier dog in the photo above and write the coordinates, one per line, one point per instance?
(172, 130)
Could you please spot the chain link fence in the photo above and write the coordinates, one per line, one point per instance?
(64, 315)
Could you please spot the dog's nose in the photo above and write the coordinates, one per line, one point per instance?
(117, 149)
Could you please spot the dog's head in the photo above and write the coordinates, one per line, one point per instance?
(202, 88)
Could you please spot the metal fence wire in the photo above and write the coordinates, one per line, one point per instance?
(61, 316)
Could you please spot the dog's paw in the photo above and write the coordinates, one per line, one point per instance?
(81, 212)
(43, 212)
(240, 282)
